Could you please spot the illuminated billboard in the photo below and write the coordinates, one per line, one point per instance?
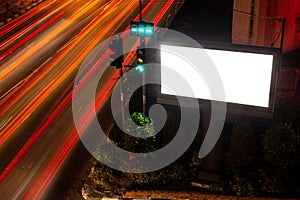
(248, 76)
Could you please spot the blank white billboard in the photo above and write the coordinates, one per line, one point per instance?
(246, 77)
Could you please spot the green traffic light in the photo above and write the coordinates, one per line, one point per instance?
(142, 29)
(149, 30)
(140, 68)
(134, 30)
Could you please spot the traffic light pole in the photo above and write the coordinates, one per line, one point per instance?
(142, 44)
(142, 41)
(141, 18)
(122, 98)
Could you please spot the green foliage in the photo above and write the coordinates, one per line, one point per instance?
(140, 119)
(139, 144)
(171, 174)
(240, 159)
(279, 145)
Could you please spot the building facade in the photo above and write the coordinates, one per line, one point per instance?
(259, 23)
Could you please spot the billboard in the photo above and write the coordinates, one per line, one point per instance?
(248, 74)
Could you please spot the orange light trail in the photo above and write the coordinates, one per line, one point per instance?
(9, 27)
(22, 116)
(45, 177)
(52, 86)
(32, 35)
(45, 41)
(67, 146)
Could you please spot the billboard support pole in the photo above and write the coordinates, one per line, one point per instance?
(283, 22)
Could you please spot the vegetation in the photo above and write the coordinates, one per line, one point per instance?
(175, 174)
(240, 160)
(279, 145)
(254, 164)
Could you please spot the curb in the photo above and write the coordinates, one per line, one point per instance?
(104, 198)
(134, 199)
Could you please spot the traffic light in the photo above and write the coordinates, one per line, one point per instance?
(117, 57)
(140, 59)
(142, 29)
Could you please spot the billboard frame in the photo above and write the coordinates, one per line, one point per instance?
(232, 108)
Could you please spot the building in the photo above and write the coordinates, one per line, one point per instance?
(260, 23)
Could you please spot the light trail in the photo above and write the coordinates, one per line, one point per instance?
(31, 36)
(39, 46)
(53, 85)
(51, 169)
(22, 19)
(34, 103)
(24, 35)
(53, 166)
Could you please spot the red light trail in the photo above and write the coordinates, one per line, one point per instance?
(49, 172)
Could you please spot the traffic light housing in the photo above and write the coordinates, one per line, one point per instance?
(142, 29)
(117, 57)
(140, 59)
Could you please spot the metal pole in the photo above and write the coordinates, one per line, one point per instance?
(282, 20)
(122, 98)
(144, 80)
(142, 44)
(282, 39)
(141, 10)
(282, 33)
(121, 87)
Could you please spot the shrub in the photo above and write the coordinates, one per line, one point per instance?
(279, 145)
(173, 174)
(194, 165)
(240, 159)
(102, 174)
(138, 144)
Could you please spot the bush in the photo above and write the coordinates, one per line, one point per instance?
(173, 174)
(138, 144)
(279, 145)
(240, 159)
(102, 174)
(195, 163)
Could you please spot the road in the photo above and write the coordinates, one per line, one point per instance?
(37, 132)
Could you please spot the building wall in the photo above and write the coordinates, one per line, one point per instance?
(255, 22)
(290, 10)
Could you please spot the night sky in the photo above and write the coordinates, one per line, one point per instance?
(205, 20)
